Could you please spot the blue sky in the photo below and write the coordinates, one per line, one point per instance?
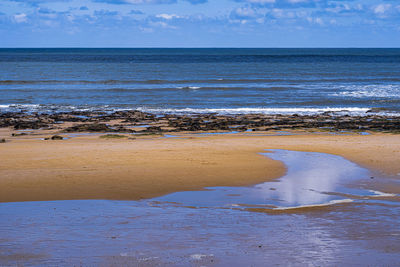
(200, 23)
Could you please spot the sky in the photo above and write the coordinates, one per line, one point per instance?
(200, 23)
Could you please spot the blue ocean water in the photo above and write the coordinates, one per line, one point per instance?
(200, 80)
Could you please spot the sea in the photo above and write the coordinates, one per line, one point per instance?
(209, 80)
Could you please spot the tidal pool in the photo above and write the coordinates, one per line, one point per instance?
(352, 225)
(312, 179)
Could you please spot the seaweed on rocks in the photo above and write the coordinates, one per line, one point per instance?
(89, 127)
(96, 121)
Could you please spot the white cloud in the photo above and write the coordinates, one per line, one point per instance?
(279, 13)
(318, 21)
(382, 9)
(20, 18)
(162, 24)
(168, 16)
(245, 12)
(146, 29)
(297, 1)
(261, 1)
(339, 8)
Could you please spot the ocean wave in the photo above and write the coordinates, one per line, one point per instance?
(290, 80)
(149, 82)
(190, 87)
(369, 91)
(22, 106)
(203, 57)
(227, 111)
(72, 82)
(52, 108)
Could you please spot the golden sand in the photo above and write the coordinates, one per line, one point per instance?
(99, 168)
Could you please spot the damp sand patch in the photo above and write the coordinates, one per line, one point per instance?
(113, 136)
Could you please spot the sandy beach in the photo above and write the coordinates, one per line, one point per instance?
(89, 167)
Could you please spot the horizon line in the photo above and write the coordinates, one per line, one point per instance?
(205, 47)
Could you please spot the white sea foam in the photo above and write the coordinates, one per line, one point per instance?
(345, 110)
(369, 91)
(190, 87)
(355, 111)
(54, 108)
(200, 256)
(381, 194)
(20, 106)
(332, 202)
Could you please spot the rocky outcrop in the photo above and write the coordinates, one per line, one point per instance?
(90, 127)
(124, 121)
(57, 137)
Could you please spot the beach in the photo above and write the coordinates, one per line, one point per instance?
(138, 189)
(91, 167)
(185, 198)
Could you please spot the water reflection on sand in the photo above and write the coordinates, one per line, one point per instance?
(310, 176)
(214, 227)
(312, 179)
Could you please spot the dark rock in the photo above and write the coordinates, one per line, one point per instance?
(21, 125)
(93, 121)
(377, 110)
(95, 127)
(2, 140)
(122, 129)
(153, 129)
(57, 137)
(18, 134)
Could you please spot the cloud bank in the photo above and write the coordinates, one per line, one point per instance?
(200, 23)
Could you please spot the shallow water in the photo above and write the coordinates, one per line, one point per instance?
(209, 228)
(312, 179)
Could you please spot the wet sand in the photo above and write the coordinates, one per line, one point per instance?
(222, 226)
(89, 167)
